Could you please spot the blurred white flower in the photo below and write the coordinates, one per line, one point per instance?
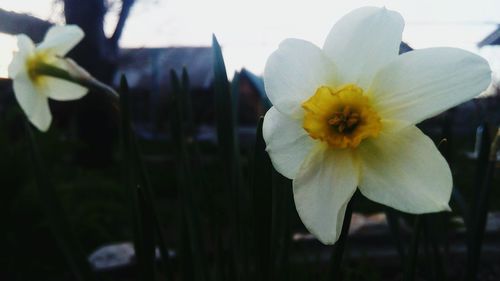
(343, 118)
(32, 87)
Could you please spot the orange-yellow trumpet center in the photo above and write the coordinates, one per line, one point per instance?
(34, 61)
(341, 117)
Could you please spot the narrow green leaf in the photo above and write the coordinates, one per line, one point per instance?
(242, 190)
(151, 220)
(235, 96)
(199, 179)
(176, 114)
(282, 198)
(228, 153)
(226, 131)
(141, 246)
(458, 199)
(485, 171)
(187, 104)
(434, 232)
(148, 241)
(481, 165)
(59, 223)
(262, 206)
(193, 258)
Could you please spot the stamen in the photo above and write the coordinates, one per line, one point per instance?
(341, 127)
(334, 121)
(342, 117)
(347, 111)
(346, 119)
(352, 121)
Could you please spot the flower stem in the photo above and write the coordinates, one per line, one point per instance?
(84, 79)
(338, 250)
(413, 251)
(394, 227)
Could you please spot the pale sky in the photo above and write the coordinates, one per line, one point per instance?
(250, 30)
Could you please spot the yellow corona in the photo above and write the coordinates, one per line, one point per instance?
(342, 117)
(33, 62)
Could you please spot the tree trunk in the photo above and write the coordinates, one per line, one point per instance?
(98, 54)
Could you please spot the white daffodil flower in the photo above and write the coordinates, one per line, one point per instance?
(31, 88)
(343, 118)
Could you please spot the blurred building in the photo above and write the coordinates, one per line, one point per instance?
(148, 71)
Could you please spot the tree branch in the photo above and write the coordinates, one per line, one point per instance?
(15, 23)
(124, 12)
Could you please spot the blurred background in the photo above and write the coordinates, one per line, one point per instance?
(151, 41)
(250, 30)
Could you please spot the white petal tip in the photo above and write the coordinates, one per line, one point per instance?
(328, 241)
(41, 127)
(44, 129)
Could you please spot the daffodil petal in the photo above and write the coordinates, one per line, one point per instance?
(33, 103)
(287, 142)
(363, 41)
(24, 43)
(422, 83)
(294, 72)
(61, 39)
(403, 169)
(18, 64)
(63, 90)
(324, 185)
(41, 117)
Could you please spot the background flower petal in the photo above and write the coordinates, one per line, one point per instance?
(363, 41)
(24, 43)
(422, 83)
(294, 72)
(287, 142)
(33, 103)
(403, 169)
(25, 47)
(324, 185)
(61, 39)
(63, 90)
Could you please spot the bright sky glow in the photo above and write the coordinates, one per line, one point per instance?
(250, 30)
